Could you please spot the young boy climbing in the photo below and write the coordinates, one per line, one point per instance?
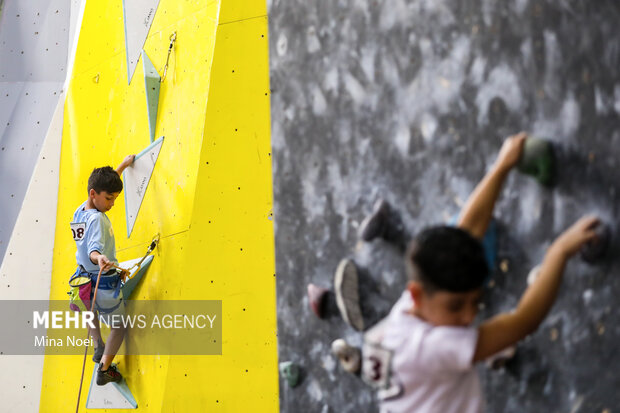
(428, 340)
(96, 250)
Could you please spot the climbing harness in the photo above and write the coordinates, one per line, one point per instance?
(81, 283)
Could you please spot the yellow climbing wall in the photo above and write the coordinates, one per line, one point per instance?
(210, 196)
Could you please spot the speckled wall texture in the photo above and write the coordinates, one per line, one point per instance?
(410, 100)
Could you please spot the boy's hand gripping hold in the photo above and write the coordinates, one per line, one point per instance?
(507, 329)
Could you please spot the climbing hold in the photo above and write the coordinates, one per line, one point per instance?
(110, 396)
(538, 160)
(349, 356)
(316, 297)
(347, 296)
(503, 265)
(596, 249)
(553, 334)
(138, 17)
(151, 86)
(499, 360)
(137, 178)
(135, 274)
(290, 371)
(533, 274)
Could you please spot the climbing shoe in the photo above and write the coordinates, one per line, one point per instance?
(347, 295)
(384, 222)
(109, 375)
(374, 225)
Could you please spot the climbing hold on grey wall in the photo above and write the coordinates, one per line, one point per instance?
(349, 356)
(538, 160)
(533, 275)
(347, 295)
(290, 371)
(499, 360)
(316, 296)
(596, 249)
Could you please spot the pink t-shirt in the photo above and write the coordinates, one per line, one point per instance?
(430, 365)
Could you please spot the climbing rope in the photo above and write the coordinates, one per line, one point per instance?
(124, 276)
(92, 307)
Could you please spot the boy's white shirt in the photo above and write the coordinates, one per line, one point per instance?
(432, 364)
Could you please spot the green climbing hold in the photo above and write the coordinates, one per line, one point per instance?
(290, 371)
(538, 160)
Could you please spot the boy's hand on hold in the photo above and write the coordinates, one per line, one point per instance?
(507, 329)
(582, 231)
(128, 161)
(511, 151)
(103, 262)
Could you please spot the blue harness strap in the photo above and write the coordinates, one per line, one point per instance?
(108, 281)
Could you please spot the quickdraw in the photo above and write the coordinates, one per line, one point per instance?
(126, 273)
(173, 38)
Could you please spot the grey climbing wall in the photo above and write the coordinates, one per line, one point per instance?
(33, 59)
(410, 100)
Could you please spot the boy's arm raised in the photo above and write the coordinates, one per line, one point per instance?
(126, 162)
(507, 329)
(478, 210)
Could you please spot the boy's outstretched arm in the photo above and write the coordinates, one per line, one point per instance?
(478, 210)
(126, 162)
(507, 329)
(101, 260)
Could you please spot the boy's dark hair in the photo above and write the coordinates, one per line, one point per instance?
(446, 258)
(105, 179)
